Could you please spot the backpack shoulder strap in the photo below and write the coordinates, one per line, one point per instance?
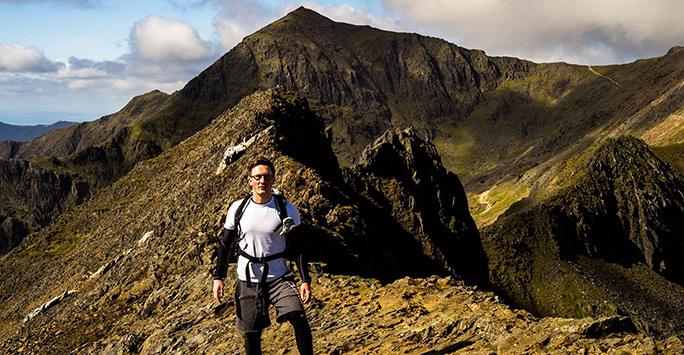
(280, 203)
(241, 210)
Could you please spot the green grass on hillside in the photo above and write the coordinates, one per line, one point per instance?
(673, 155)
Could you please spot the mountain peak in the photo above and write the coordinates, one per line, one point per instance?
(301, 21)
(303, 13)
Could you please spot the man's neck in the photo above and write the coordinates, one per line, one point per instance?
(261, 198)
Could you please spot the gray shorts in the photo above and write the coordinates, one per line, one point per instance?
(252, 310)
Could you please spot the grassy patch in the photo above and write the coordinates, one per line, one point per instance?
(457, 151)
(109, 205)
(59, 244)
(63, 240)
(673, 155)
(487, 206)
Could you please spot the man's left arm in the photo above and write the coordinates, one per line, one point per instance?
(303, 267)
(296, 247)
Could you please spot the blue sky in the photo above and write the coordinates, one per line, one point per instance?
(81, 59)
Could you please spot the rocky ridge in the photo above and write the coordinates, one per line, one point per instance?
(524, 126)
(135, 261)
(140, 251)
(400, 172)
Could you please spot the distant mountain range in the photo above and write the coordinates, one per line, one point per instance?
(559, 186)
(26, 133)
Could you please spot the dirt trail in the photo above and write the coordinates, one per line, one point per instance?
(483, 200)
(605, 77)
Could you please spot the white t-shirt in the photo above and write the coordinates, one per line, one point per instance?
(258, 237)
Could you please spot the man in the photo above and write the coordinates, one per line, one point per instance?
(264, 279)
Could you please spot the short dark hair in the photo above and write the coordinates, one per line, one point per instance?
(261, 161)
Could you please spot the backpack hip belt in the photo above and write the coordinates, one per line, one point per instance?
(263, 260)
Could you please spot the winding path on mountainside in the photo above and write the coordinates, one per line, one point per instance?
(605, 77)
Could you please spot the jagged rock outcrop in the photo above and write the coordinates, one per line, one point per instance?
(9, 149)
(606, 241)
(30, 197)
(403, 174)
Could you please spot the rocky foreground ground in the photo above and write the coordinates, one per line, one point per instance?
(353, 315)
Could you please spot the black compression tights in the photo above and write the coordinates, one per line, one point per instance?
(253, 343)
(302, 335)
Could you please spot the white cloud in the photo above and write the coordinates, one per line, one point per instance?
(80, 84)
(68, 71)
(24, 85)
(124, 85)
(586, 31)
(159, 39)
(17, 58)
(230, 32)
(236, 19)
(164, 54)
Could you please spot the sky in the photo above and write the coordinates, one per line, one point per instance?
(78, 60)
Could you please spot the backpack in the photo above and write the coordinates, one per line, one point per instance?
(286, 224)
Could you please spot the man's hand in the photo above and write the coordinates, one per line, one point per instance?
(305, 293)
(218, 290)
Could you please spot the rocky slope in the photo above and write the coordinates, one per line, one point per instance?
(593, 232)
(606, 240)
(149, 239)
(31, 197)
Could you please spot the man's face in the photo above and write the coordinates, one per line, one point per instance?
(261, 180)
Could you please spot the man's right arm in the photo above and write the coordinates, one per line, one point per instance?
(226, 246)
